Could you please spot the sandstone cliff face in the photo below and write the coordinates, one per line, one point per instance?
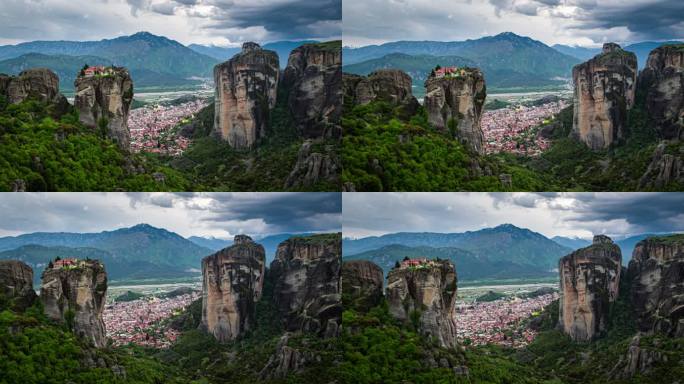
(246, 91)
(589, 281)
(428, 292)
(306, 283)
(662, 83)
(16, 284)
(233, 280)
(104, 101)
(314, 79)
(454, 104)
(77, 291)
(665, 168)
(362, 282)
(656, 274)
(39, 83)
(389, 85)
(604, 92)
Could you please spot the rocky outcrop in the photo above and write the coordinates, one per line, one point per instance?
(287, 359)
(38, 83)
(362, 282)
(16, 284)
(589, 282)
(664, 169)
(454, 104)
(656, 274)
(662, 84)
(426, 296)
(232, 283)
(639, 359)
(246, 91)
(388, 85)
(104, 101)
(315, 163)
(604, 92)
(306, 283)
(75, 295)
(314, 79)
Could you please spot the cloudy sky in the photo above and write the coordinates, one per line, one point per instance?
(572, 22)
(551, 214)
(220, 215)
(220, 22)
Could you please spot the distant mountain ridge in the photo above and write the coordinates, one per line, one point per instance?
(507, 59)
(504, 243)
(147, 57)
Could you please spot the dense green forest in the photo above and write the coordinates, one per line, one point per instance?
(50, 153)
(385, 150)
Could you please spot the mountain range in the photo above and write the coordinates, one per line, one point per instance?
(508, 60)
(640, 49)
(152, 60)
(503, 252)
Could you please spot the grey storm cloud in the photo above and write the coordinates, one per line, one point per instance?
(203, 214)
(553, 214)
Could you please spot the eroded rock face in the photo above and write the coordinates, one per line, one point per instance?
(454, 104)
(638, 359)
(16, 284)
(246, 91)
(656, 274)
(662, 83)
(589, 281)
(306, 283)
(389, 85)
(314, 164)
(76, 294)
(314, 79)
(233, 280)
(287, 360)
(427, 295)
(604, 92)
(665, 168)
(39, 83)
(104, 101)
(362, 282)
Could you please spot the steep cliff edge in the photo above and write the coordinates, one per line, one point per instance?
(232, 283)
(656, 272)
(313, 77)
(389, 85)
(424, 293)
(306, 283)
(589, 282)
(74, 294)
(604, 92)
(103, 100)
(246, 91)
(16, 284)
(362, 282)
(454, 102)
(662, 84)
(39, 83)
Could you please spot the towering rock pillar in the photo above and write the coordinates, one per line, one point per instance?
(73, 291)
(454, 101)
(103, 100)
(246, 91)
(662, 83)
(16, 283)
(424, 292)
(307, 289)
(314, 79)
(233, 280)
(389, 85)
(589, 281)
(604, 92)
(656, 274)
(38, 83)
